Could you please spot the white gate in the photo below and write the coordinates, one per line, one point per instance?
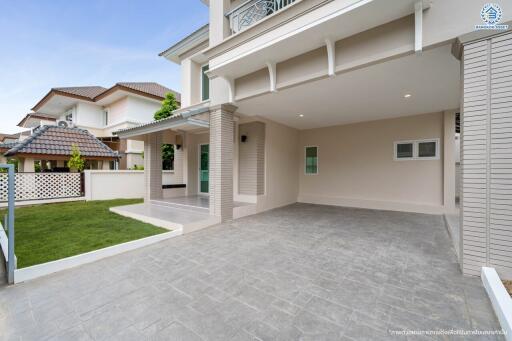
(43, 186)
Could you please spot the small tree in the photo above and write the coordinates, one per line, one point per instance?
(76, 161)
(169, 104)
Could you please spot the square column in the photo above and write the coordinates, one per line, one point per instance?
(178, 160)
(221, 161)
(153, 167)
(486, 127)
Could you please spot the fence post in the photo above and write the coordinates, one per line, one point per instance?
(11, 263)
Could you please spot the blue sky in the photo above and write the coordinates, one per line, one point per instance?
(53, 43)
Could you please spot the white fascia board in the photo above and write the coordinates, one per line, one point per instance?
(195, 39)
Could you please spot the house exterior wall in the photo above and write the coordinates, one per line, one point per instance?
(117, 111)
(281, 164)
(89, 115)
(357, 167)
(486, 139)
(140, 110)
(251, 159)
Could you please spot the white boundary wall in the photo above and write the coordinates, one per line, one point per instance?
(120, 184)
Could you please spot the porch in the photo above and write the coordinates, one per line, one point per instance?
(186, 213)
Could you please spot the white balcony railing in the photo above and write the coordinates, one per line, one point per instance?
(252, 11)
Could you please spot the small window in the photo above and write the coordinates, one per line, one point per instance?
(404, 150)
(106, 117)
(205, 83)
(69, 116)
(417, 150)
(311, 160)
(427, 149)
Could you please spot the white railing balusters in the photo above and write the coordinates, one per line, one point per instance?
(253, 11)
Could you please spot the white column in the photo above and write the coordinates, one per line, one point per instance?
(178, 163)
(28, 165)
(486, 124)
(221, 161)
(449, 161)
(219, 24)
(153, 166)
(105, 165)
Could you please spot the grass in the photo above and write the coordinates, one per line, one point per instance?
(49, 232)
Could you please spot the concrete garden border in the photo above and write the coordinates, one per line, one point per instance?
(40, 270)
(500, 299)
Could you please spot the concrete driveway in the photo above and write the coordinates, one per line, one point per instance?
(303, 272)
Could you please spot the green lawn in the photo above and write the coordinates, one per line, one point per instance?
(49, 232)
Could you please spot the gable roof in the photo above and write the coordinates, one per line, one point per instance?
(9, 136)
(37, 116)
(194, 39)
(94, 93)
(54, 140)
(148, 89)
(88, 92)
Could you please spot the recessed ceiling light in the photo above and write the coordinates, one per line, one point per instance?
(301, 115)
(407, 95)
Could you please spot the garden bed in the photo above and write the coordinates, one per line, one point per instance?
(508, 286)
(50, 232)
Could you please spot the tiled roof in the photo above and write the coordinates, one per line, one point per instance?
(151, 88)
(83, 91)
(95, 93)
(9, 136)
(6, 146)
(54, 140)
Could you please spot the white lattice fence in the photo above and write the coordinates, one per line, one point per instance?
(39, 186)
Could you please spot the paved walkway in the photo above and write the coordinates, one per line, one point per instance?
(303, 272)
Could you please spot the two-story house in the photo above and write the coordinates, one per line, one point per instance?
(100, 111)
(349, 103)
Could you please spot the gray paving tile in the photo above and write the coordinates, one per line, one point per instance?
(302, 272)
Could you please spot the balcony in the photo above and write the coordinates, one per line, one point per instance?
(252, 11)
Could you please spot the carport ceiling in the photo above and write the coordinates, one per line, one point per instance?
(432, 79)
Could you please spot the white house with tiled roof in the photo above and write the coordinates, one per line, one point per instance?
(348, 103)
(101, 111)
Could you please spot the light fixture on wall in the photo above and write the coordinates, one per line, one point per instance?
(243, 138)
(407, 95)
(301, 115)
(178, 146)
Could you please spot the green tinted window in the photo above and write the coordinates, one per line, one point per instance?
(311, 160)
(205, 83)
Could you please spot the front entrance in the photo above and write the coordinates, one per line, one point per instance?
(204, 174)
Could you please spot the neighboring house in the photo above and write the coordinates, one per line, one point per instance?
(52, 147)
(348, 103)
(102, 111)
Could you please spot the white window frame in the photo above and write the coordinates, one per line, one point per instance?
(106, 117)
(202, 81)
(415, 150)
(317, 160)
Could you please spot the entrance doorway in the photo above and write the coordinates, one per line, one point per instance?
(204, 173)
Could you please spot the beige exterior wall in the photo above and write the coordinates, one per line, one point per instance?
(251, 159)
(281, 164)
(357, 167)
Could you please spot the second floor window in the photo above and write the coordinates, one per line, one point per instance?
(205, 83)
(69, 116)
(106, 117)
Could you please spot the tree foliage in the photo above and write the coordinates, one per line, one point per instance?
(76, 161)
(169, 104)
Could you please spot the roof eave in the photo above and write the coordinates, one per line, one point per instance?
(188, 43)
